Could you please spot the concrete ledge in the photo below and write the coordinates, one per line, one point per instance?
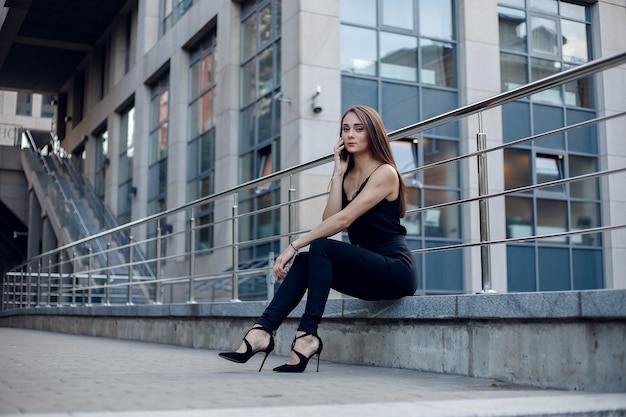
(567, 340)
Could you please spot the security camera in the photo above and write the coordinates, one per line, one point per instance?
(314, 105)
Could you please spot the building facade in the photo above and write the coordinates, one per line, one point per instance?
(182, 99)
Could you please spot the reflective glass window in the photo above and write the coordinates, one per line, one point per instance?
(435, 150)
(398, 56)
(574, 35)
(398, 13)
(248, 36)
(360, 12)
(400, 105)
(588, 269)
(585, 215)
(358, 91)
(585, 189)
(438, 63)
(512, 28)
(554, 269)
(517, 168)
(551, 218)
(542, 68)
(436, 19)
(359, 53)
(544, 35)
(513, 71)
(519, 216)
(547, 6)
(443, 222)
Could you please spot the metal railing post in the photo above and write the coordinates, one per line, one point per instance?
(22, 287)
(3, 306)
(235, 254)
(49, 297)
(292, 209)
(38, 284)
(129, 293)
(30, 284)
(269, 277)
(107, 288)
(74, 281)
(192, 259)
(60, 281)
(483, 209)
(157, 268)
(89, 274)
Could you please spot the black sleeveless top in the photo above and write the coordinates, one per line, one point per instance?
(377, 228)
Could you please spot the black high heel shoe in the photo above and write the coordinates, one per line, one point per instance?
(301, 366)
(244, 357)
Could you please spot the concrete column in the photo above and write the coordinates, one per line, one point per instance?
(226, 127)
(177, 158)
(140, 159)
(147, 27)
(310, 59)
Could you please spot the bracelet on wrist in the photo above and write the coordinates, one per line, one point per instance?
(294, 248)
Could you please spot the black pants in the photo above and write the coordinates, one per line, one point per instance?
(349, 269)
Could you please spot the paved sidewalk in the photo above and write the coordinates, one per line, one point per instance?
(53, 374)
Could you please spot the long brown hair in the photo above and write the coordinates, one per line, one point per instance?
(378, 144)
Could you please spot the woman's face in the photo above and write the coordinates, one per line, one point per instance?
(354, 135)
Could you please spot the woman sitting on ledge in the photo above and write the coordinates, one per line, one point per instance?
(367, 196)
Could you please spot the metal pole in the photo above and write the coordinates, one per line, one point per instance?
(192, 259)
(269, 277)
(157, 269)
(235, 254)
(30, 284)
(73, 304)
(107, 288)
(483, 209)
(130, 271)
(60, 288)
(89, 273)
(22, 288)
(38, 284)
(49, 282)
(292, 210)
(4, 290)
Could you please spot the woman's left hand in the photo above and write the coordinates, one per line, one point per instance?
(281, 262)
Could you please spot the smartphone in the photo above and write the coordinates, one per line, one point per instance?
(344, 153)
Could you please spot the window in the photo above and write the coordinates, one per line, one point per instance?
(201, 144)
(102, 162)
(557, 39)
(542, 40)
(259, 141)
(24, 105)
(158, 146)
(47, 108)
(399, 56)
(171, 11)
(126, 189)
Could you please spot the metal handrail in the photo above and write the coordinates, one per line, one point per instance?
(581, 71)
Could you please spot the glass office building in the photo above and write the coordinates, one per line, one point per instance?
(197, 97)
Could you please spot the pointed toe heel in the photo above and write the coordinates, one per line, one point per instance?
(304, 361)
(245, 356)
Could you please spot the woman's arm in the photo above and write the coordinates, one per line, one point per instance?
(382, 184)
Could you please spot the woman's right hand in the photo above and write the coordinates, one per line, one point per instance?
(340, 164)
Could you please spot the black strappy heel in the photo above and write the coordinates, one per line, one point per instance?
(301, 366)
(244, 357)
